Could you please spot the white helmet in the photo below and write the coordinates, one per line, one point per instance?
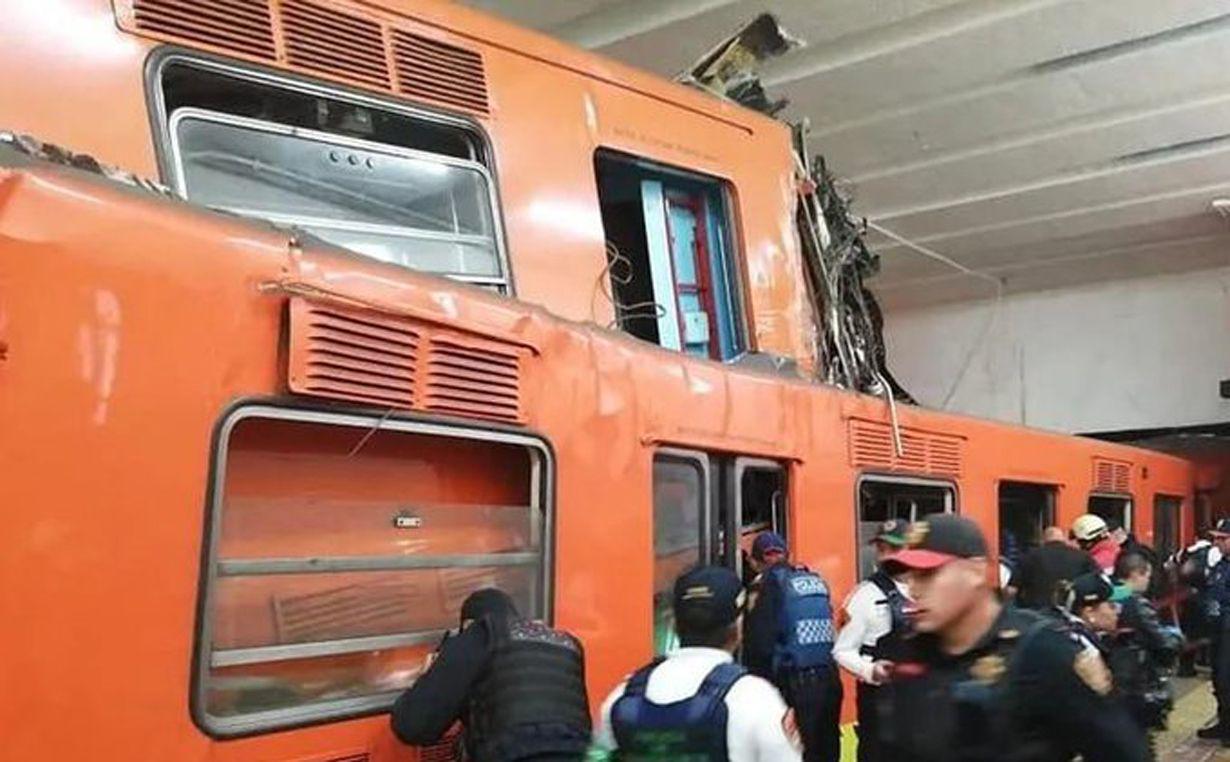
(1089, 527)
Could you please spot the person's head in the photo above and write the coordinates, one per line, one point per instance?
(946, 557)
(889, 539)
(708, 606)
(1114, 528)
(1134, 571)
(1054, 534)
(768, 549)
(1089, 530)
(1090, 601)
(1219, 535)
(487, 603)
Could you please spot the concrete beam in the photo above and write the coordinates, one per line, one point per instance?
(628, 18)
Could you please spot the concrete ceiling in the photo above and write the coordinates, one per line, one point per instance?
(1046, 142)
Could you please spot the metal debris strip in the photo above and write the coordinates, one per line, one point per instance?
(850, 339)
(55, 154)
(729, 70)
(850, 347)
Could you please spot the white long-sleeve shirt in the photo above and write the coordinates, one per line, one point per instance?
(755, 711)
(868, 619)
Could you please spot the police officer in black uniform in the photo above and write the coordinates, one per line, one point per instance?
(979, 681)
(1218, 600)
(517, 686)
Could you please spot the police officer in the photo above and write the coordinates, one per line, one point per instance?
(1143, 650)
(874, 610)
(1092, 615)
(789, 638)
(1219, 615)
(983, 682)
(517, 686)
(697, 704)
(1191, 568)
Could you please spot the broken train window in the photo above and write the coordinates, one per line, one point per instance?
(670, 256)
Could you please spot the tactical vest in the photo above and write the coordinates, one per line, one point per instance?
(898, 622)
(691, 730)
(805, 631)
(531, 699)
(966, 715)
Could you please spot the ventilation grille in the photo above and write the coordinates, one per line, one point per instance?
(352, 355)
(346, 612)
(390, 361)
(324, 40)
(361, 757)
(240, 26)
(1113, 476)
(473, 378)
(316, 37)
(923, 452)
(447, 750)
(436, 71)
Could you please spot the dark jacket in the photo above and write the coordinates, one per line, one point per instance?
(1040, 572)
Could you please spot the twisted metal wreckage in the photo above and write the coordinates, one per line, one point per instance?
(850, 347)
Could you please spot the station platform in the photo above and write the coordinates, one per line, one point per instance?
(1193, 708)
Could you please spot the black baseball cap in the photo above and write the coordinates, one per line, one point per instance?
(1222, 527)
(707, 597)
(937, 540)
(893, 532)
(1089, 590)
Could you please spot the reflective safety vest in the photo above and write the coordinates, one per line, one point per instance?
(691, 730)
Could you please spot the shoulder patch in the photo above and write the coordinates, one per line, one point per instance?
(1092, 671)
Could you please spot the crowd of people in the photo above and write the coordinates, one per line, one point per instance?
(1069, 659)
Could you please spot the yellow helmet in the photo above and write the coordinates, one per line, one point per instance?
(1089, 527)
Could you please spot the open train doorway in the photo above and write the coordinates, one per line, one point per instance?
(1114, 509)
(1025, 510)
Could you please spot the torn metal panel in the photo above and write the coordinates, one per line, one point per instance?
(730, 69)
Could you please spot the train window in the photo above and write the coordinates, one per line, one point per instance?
(1167, 520)
(881, 498)
(670, 262)
(1025, 510)
(1112, 508)
(680, 518)
(341, 549)
(759, 487)
(389, 186)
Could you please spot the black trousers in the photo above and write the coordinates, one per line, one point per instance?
(868, 718)
(815, 696)
(1221, 670)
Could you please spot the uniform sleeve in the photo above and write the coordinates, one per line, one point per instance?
(847, 649)
(604, 736)
(1068, 698)
(760, 630)
(427, 709)
(756, 728)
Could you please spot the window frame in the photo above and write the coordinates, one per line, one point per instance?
(542, 503)
(733, 260)
(1180, 503)
(169, 159)
(952, 503)
(1050, 515)
(1127, 497)
(740, 465)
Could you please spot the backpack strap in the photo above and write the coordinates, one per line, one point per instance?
(720, 680)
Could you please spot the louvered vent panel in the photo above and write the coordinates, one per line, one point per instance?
(346, 612)
(240, 26)
(1112, 476)
(923, 452)
(353, 355)
(328, 41)
(474, 378)
(440, 72)
(360, 757)
(447, 750)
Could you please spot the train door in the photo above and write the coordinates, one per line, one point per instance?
(708, 508)
(881, 498)
(1114, 508)
(1025, 509)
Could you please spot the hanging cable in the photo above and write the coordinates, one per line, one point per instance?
(992, 317)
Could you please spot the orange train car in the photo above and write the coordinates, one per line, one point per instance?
(254, 456)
